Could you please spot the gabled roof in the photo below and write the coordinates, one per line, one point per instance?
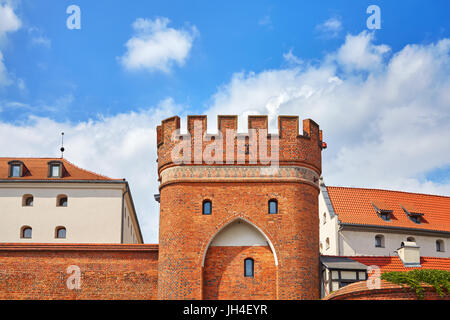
(356, 206)
(393, 263)
(37, 169)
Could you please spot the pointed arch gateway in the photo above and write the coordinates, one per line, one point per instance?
(225, 263)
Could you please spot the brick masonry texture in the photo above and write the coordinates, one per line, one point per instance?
(116, 272)
(223, 274)
(185, 233)
(386, 291)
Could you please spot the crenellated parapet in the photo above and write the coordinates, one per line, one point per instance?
(257, 147)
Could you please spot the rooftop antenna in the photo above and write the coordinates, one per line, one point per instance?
(62, 145)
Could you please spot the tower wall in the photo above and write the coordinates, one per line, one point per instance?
(240, 191)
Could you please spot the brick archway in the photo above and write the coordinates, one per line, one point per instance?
(223, 265)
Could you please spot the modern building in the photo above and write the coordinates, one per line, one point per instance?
(372, 222)
(50, 200)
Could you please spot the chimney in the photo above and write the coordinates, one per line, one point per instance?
(409, 254)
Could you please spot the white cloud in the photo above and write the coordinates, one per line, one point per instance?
(157, 47)
(290, 58)
(41, 41)
(359, 52)
(330, 28)
(120, 146)
(386, 129)
(9, 22)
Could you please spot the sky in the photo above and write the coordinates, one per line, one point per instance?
(381, 96)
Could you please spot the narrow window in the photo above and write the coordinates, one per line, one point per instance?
(324, 218)
(60, 233)
(207, 207)
(327, 242)
(410, 239)
(440, 246)
(26, 232)
(379, 241)
(273, 206)
(27, 200)
(55, 170)
(61, 200)
(249, 267)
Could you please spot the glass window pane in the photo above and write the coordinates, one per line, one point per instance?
(55, 171)
(63, 202)
(334, 275)
(362, 275)
(62, 233)
(27, 233)
(207, 207)
(15, 171)
(29, 202)
(248, 268)
(273, 207)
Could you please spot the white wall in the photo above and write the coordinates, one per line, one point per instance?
(239, 233)
(129, 223)
(327, 230)
(93, 214)
(363, 243)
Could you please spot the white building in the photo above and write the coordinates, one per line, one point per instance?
(45, 200)
(371, 222)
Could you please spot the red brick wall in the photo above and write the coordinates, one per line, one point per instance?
(294, 232)
(36, 271)
(223, 274)
(185, 233)
(385, 291)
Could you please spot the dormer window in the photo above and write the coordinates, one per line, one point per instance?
(413, 213)
(16, 169)
(382, 210)
(55, 169)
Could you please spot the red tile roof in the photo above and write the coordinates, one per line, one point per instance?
(355, 206)
(37, 169)
(393, 263)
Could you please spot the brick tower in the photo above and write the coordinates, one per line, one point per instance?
(238, 197)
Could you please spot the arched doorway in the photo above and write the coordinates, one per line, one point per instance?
(239, 263)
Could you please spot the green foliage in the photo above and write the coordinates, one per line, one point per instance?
(438, 279)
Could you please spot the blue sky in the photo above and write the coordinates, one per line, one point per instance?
(381, 96)
(233, 36)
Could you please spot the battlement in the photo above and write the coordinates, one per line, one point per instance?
(228, 146)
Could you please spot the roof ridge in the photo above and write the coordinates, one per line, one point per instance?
(396, 191)
(91, 172)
